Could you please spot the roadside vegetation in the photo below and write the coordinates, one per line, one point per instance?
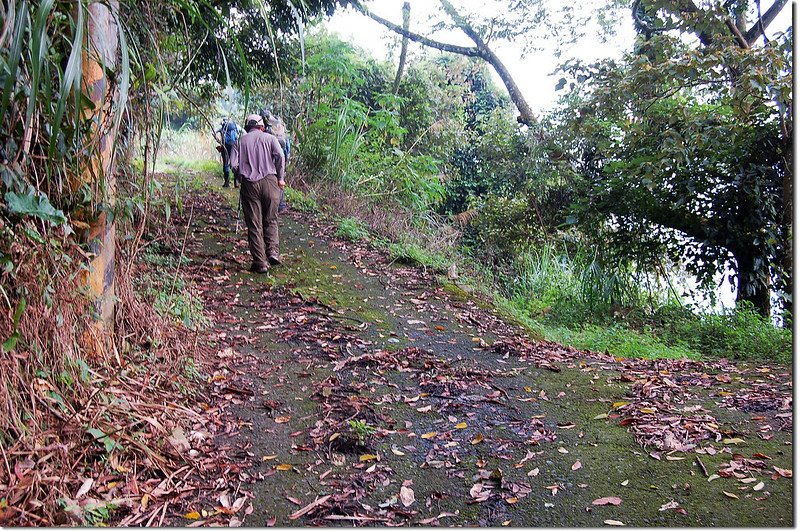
(439, 175)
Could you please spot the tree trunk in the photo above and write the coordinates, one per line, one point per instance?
(752, 280)
(99, 57)
(787, 222)
(403, 47)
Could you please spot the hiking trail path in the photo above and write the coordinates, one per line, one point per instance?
(347, 390)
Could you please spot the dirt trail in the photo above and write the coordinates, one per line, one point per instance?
(349, 391)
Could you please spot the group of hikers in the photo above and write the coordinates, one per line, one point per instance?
(257, 160)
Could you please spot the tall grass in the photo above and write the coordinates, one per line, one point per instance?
(570, 298)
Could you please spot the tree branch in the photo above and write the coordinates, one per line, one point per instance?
(461, 50)
(481, 50)
(766, 19)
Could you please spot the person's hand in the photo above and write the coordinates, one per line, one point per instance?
(282, 184)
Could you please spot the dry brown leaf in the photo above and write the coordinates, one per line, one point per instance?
(615, 501)
(406, 496)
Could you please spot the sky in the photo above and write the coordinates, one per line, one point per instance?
(532, 72)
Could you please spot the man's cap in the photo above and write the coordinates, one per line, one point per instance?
(254, 120)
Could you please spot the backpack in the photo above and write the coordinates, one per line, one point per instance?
(278, 128)
(231, 132)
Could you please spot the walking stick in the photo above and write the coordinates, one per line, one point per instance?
(238, 211)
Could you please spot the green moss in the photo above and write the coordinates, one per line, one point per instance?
(311, 278)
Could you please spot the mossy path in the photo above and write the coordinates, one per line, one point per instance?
(348, 390)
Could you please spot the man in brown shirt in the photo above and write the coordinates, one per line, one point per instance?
(259, 161)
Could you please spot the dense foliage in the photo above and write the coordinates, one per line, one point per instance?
(684, 154)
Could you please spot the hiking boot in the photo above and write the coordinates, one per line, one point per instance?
(259, 268)
(226, 184)
(274, 261)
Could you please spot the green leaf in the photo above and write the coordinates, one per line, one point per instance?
(32, 204)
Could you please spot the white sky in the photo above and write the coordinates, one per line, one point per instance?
(532, 72)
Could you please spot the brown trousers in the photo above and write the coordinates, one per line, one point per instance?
(260, 206)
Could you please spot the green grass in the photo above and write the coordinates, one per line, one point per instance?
(415, 255)
(300, 202)
(565, 299)
(352, 229)
(170, 295)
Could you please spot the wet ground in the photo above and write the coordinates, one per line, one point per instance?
(347, 390)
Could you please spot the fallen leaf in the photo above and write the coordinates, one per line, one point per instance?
(613, 522)
(192, 515)
(731, 495)
(758, 487)
(562, 450)
(671, 505)
(268, 457)
(533, 472)
(619, 404)
(732, 441)
(616, 501)
(307, 508)
(624, 483)
(428, 435)
(284, 467)
(785, 473)
(295, 500)
(271, 521)
(600, 416)
(461, 425)
(367, 457)
(397, 452)
(283, 419)
(577, 465)
(477, 439)
(406, 496)
(85, 487)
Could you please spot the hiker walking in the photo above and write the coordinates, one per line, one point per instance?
(228, 135)
(260, 164)
(274, 124)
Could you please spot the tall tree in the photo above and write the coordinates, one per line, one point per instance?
(686, 146)
(520, 19)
